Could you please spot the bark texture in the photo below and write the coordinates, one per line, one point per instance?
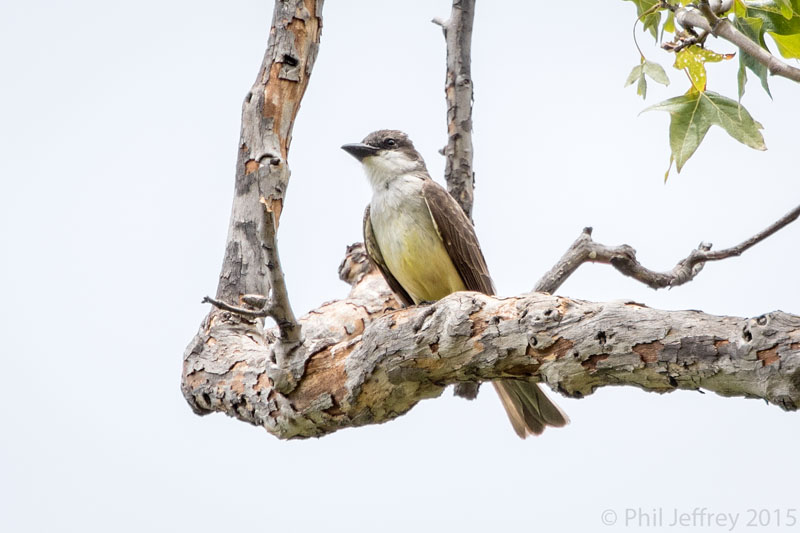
(458, 92)
(262, 173)
(623, 258)
(369, 363)
(251, 268)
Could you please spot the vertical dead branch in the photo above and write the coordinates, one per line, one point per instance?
(251, 271)
(262, 173)
(458, 90)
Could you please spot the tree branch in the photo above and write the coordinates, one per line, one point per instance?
(251, 270)
(277, 306)
(458, 91)
(704, 18)
(623, 258)
(370, 363)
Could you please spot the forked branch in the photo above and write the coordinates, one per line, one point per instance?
(277, 305)
(251, 272)
(623, 258)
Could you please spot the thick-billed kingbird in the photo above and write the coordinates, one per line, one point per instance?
(426, 248)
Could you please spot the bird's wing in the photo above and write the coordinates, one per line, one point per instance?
(374, 253)
(528, 407)
(458, 237)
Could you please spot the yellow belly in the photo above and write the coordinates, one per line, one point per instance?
(417, 258)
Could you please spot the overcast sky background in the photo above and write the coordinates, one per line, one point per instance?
(119, 125)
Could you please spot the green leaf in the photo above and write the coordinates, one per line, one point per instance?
(693, 60)
(641, 88)
(774, 19)
(753, 28)
(669, 24)
(651, 21)
(653, 70)
(692, 114)
(781, 19)
(788, 45)
(636, 73)
(785, 7)
(656, 72)
(739, 9)
(741, 80)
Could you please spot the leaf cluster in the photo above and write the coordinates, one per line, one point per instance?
(693, 113)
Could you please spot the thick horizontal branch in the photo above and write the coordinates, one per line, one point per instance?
(369, 363)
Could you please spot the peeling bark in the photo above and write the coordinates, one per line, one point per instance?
(370, 363)
(251, 267)
(458, 91)
(262, 172)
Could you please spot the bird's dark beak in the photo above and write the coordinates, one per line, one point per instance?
(360, 150)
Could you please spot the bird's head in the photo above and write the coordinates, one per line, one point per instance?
(386, 155)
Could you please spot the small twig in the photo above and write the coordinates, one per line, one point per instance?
(709, 14)
(704, 18)
(623, 258)
(684, 41)
(666, 5)
(784, 221)
(219, 304)
(458, 92)
(278, 304)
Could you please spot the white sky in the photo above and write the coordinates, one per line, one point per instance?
(119, 125)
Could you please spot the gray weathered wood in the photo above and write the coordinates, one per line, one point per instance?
(262, 173)
(251, 269)
(623, 258)
(370, 363)
(458, 171)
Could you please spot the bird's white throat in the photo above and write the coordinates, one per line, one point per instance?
(383, 168)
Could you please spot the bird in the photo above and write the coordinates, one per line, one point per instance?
(426, 248)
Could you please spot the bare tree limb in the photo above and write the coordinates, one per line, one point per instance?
(623, 258)
(458, 91)
(705, 19)
(369, 363)
(251, 270)
(277, 306)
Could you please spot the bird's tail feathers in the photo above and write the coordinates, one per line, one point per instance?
(528, 407)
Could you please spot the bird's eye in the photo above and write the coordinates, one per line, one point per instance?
(390, 142)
